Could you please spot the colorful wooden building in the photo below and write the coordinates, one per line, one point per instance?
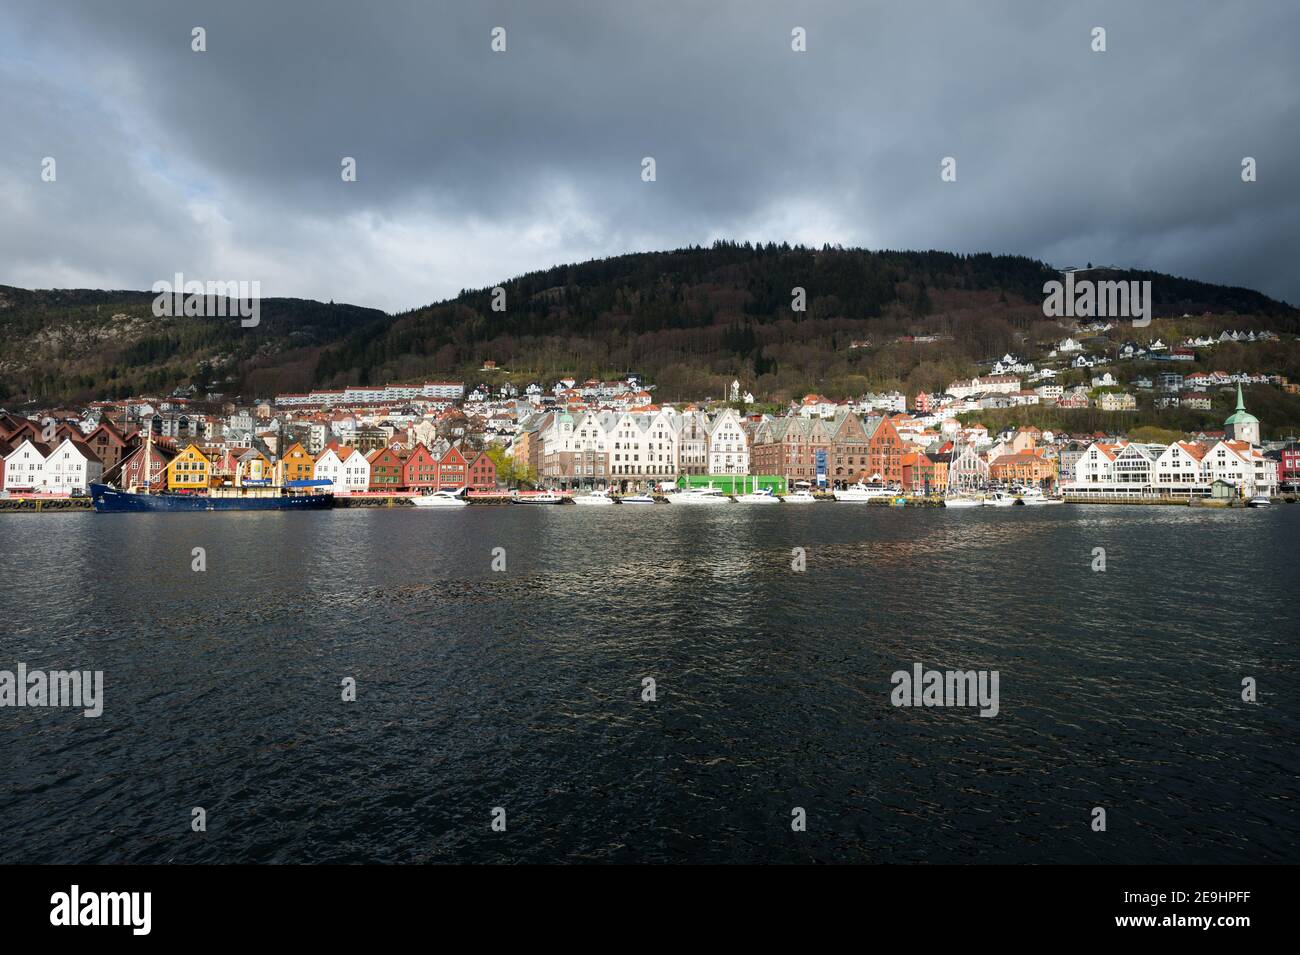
(189, 471)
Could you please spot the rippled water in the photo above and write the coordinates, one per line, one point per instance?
(522, 688)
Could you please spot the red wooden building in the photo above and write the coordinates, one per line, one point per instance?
(453, 469)
(420, 470)
(386, 471)
(483, 473)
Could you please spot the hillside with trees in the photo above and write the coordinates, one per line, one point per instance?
(688, 320)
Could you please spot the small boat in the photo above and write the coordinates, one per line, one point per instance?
(1260, 500)
(860, 493)
(802, 494)
(999, 499)
(759, 495)
(1033, 496)
(699, 495)
(441, 499)
(637, 499)
(541, 497)
(594, 499)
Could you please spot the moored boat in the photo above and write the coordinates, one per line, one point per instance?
(292, 497)
(1260, 500)
(594, 499)
(541, 497)
(699, 495)
(802, 494)
(759, 495)
(440, 499)
(861, 493)
(637, 499)
(1033, 496)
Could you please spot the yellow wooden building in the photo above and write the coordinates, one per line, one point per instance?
(189, 471)
(295, 464)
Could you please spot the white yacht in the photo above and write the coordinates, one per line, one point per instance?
(440, 499)
(960, 500)
(1260, 500)
(802, 494)
(594, 499)
(1033, 496)
(859, 493)
(637, 499)
(759, 495)
(699, 495)
(541, 497)
(998, 499)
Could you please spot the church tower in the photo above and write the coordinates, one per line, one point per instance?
(1242, 425)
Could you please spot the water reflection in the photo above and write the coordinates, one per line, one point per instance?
(524, 685)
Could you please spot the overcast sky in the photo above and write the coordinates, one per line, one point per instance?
(475, 166)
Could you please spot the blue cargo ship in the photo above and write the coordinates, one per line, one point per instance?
(294, 496)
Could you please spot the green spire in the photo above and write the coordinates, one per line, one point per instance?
(1242, 416)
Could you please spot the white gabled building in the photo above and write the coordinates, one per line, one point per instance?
(347, 469)
(968, 470)
(693, 443)
(69, 468)
(625, 438)
(25, 467)
(661, 441)
(1242, 466)
(1178, 469)
(728, 445)
(1122, 469)
(574, 448)
(1134, 466)
(1097, 464)
(1181, 469)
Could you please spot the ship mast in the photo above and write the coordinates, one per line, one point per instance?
(148, 459)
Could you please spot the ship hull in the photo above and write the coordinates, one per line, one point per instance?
(108, 500)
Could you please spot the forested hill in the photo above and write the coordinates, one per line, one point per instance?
(78, 344)
(687, 320)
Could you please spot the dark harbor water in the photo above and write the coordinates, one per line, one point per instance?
(522, 689)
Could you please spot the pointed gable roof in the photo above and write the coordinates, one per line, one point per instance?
(847, 426)
(1193, 448)
(452, 455)
(109, 430)
(82, 448)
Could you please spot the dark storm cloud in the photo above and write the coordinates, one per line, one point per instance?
(474, 166)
